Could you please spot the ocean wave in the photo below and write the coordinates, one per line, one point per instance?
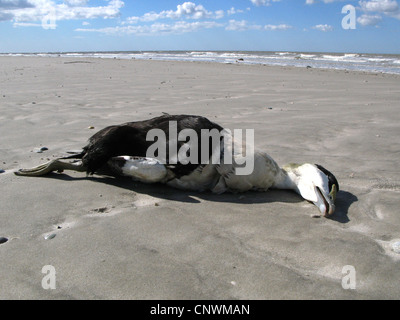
(307, 56)
(345, 61)
(351, 55)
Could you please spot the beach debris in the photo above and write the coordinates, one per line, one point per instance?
(3, 240)
(396, 247)
(50, 236)
(101, 210)
(40, 150)
(156, 204)
(79, 61)
(2, 171)
(90, 127)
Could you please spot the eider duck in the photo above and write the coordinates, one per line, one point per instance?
(124, 149)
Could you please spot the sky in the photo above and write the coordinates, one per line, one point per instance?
(349, 26)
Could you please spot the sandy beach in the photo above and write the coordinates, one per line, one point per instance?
(118, 239)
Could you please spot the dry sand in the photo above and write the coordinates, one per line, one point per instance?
(116, 239)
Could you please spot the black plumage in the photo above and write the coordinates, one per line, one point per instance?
(130, 139)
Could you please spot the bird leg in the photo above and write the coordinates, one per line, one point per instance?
(53, 165)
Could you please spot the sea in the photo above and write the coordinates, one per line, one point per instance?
(377, 63)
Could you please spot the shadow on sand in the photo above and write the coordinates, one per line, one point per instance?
(343, 201)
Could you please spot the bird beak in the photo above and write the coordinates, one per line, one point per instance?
(326, 202)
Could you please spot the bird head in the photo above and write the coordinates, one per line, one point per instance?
(317, 185)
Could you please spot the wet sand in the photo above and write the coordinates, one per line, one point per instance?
(119, 239)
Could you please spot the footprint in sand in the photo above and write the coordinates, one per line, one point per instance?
(56, 228)
(396, 246)
(101, 210)
(392, 247)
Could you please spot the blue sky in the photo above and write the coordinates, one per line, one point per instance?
(266, 25)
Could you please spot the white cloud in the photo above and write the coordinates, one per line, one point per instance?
(263, 2)
(24, 12)
(324, 1)
(385, 6)
(277, 27)
(369, 20)
(232, 11)
(157, 28)
(76, 2)
(15, 4)
(388, 7)
(26, 24)
(187, 10)
(323, 27)
(182, 27)
(242, 25)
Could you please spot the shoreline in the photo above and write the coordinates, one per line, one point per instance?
(113, 238)
(315, 60)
